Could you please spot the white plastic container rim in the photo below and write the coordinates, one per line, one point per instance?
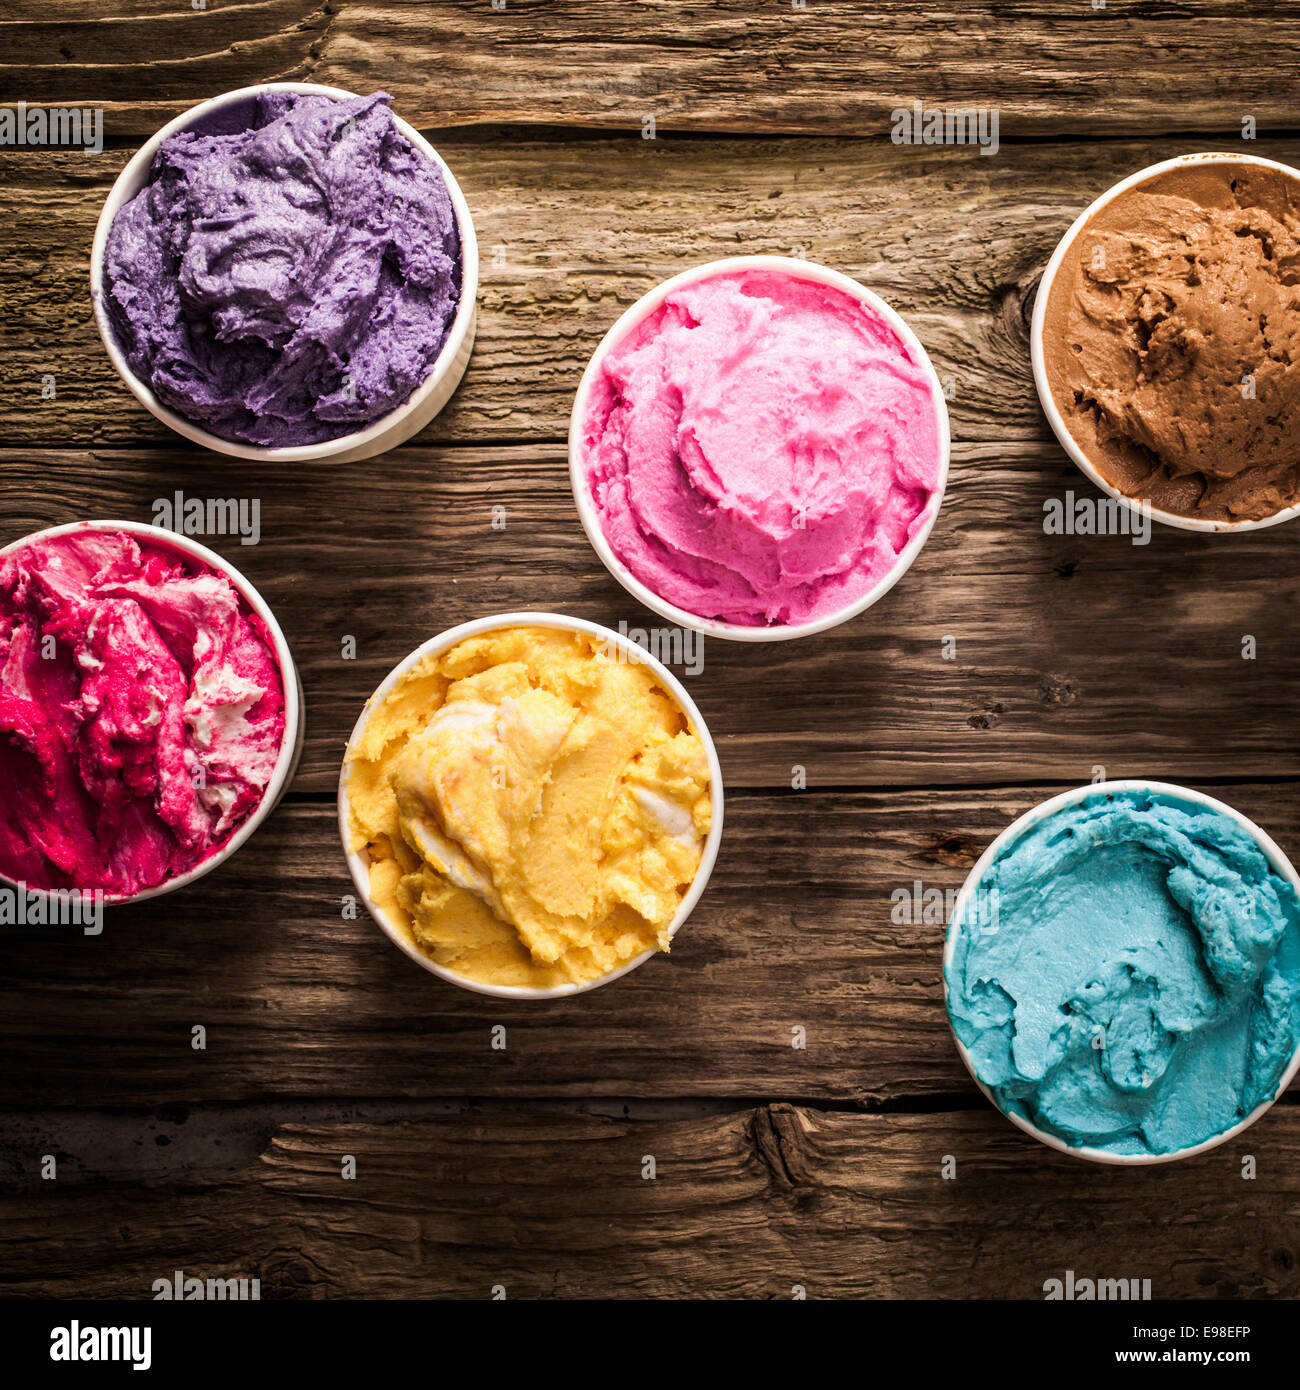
(358, 860)
(291, 743)
(1038, 360)
(646, 305)
(444, 375)
(1278, 861)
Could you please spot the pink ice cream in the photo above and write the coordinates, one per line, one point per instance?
(141, 712)
(761, 448)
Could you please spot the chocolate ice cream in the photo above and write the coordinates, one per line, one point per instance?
(1172, 341)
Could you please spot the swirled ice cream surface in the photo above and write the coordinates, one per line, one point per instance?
(761, 448)
(142, 712)
(288, 280)
(1128, 976)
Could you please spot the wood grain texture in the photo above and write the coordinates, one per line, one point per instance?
(776, 1167)
(572, 232)
(750, 66)
(1071, 651)
(752, 1204)
(795, 930)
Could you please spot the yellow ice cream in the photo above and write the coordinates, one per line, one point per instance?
(534, 809)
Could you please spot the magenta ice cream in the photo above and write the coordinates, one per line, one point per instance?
(761, 448)
(142, 712)
(289, 273)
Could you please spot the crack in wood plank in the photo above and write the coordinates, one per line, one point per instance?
(836, 1204)
(800, 929)
(712, 65)
(572, 232)
(1070, 651)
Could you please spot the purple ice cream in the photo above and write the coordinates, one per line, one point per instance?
(289, 281)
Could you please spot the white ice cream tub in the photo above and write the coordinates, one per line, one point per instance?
(385, 433)
(590, 518)
(970, 890)
(359, 861)
(286, 763)
(1039, 361)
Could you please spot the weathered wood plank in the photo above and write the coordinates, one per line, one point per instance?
(572, 232)
(1071, 651)
(145, 60)
(751, 1204)
(729, 65)
(795, 930)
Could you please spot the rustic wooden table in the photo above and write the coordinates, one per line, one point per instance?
(777, 1167)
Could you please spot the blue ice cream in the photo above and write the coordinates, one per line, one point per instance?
(1128, 977)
